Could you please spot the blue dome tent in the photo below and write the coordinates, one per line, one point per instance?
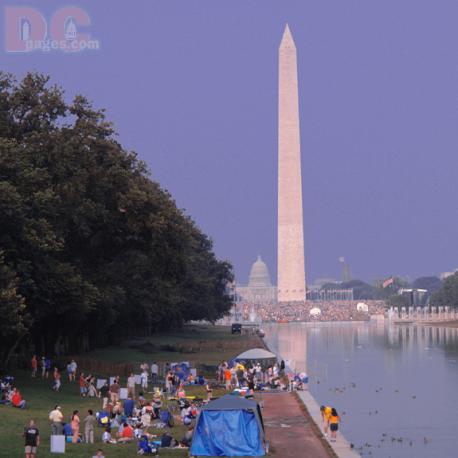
(229, 426)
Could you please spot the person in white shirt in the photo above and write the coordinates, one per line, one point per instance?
(144, 379)
(57, 419)
(131, 386)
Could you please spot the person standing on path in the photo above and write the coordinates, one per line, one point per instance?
(32, 440)
(334, 424)
(89, 425)
(325, 415)
(75, 424)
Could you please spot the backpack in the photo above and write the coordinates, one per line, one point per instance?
(167, 418)
(166, 440)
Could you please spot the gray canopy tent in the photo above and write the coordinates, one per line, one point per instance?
(257, 355)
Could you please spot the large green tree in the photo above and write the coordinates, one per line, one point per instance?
(447, 295)
(99, 250)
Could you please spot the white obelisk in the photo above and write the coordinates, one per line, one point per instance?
(291, 269)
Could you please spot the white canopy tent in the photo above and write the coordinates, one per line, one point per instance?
(315, 311)
(362, 307)
(255, 354)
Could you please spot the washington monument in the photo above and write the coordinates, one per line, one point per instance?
(291, 269)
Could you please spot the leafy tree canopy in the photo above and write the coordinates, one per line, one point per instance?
(93, 249)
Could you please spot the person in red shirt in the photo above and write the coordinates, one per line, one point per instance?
(127, 434)
(83, 385)
(17, 400)
(227, 378)
(34, 364)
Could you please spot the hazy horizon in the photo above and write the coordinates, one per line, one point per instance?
(192, 88)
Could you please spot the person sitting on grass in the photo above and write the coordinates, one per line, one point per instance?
(4, 399)
(127, 434)
(187, 439)
(157, 404)
(106, 436)
(99, 454)
(181, 392)
(68, 432)
(16, 399)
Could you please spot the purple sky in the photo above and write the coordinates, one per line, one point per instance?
(191, 85)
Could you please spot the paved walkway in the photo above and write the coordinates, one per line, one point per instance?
(341, 446)
(289, 430)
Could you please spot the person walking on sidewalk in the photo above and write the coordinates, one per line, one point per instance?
(334, 424)
(325, 415)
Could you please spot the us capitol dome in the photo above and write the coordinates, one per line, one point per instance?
(259, 289)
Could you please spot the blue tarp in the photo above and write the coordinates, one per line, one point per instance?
(225, 431)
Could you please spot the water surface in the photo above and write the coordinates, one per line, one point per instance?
(395, 386)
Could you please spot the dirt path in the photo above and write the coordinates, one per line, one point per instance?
(289, 429)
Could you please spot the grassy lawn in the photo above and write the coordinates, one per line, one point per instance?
(201, 345)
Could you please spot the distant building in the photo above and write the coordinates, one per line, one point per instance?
(259, 289)
(444, 275)
(417, 297)
(320, 282)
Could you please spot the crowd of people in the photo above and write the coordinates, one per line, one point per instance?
(147, 404)
(328, 311)
(247, 377)
(10, 395)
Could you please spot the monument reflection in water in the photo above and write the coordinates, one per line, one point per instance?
(395, 386)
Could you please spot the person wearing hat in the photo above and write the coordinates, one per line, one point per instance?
(56, 418)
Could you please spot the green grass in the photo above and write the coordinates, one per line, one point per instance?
(197, 344)
(209, 345)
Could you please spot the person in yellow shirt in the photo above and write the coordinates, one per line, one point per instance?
(334, 424)
(325, 415)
